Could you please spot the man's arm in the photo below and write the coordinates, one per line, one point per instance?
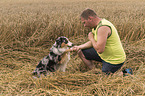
(83, 46)
(102, 34)
(86, 45)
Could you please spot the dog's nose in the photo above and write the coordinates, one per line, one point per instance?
(72, 44)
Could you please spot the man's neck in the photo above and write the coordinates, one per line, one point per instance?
(97, 21)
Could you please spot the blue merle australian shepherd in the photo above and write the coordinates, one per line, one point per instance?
(57, 59)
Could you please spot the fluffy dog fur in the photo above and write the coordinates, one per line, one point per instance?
(57, 59)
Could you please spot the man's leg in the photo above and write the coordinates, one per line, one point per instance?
(88, 63)
(87, 55)
(110, 68)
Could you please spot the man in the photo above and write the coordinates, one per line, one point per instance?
(104, 44)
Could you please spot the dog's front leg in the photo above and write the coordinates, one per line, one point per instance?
(65, 59)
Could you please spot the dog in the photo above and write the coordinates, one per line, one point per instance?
(57, 59)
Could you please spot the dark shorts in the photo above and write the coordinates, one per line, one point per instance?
(91, 54)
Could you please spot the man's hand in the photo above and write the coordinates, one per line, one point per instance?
(75, 48)
(90, 36)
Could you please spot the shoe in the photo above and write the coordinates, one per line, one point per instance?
(128, 70)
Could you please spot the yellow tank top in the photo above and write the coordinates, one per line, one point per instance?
(114, 52)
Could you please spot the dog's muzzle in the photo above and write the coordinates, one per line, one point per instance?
(70, 44)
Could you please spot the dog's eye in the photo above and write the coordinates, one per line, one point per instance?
(65, 41)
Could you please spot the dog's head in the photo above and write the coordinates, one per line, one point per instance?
(62, 42)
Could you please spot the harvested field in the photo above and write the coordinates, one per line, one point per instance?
(29, 28)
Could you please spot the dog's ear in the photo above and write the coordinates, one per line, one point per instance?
(54, 45)
(58, 43)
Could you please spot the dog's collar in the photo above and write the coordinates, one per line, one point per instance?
(59, 50)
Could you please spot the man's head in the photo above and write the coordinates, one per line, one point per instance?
(88, 18)
(87, 13)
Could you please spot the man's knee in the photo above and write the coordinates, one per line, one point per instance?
(80, 53)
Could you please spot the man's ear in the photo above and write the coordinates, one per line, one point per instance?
(90, 17)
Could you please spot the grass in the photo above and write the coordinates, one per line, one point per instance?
(29, 28)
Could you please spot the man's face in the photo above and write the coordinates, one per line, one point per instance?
(87, 22)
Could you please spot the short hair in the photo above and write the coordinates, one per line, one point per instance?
(88, 12)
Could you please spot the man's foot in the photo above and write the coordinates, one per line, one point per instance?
(127, 71)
